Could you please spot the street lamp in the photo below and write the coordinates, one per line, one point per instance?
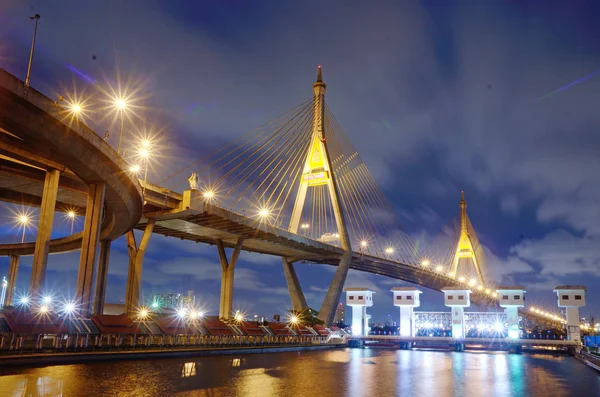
(27, 79)
(71, 215)
(24, 221)
(120, 105)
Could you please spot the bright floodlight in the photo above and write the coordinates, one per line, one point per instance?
(43, 309)
(143, 314)
(425, 263)
(135, 168)
(208, 194)
(480, 288)
(263, 213)
(472, 282)
(451, 274)
(181, 312)
(239, 317)
(389, 250)
(200, 314)
(25, 300)
(145, 143)
(488, 291)
(495, 294)
(498, 326)
(439, 269)
(144, 153)
(120, 103)
(461, 279)
(46, 300)
(155, 305)
(69, 307)
(71, 214)
(294, 319)
(363, 243)
(23, 219)
(305, 226)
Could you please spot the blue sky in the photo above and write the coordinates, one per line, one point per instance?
(439, 96)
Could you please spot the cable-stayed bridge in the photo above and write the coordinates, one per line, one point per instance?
(295, 187)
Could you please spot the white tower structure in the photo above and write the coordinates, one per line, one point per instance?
(359, 299)
(457, 298)
(407, 298)
(512, 298)
(571, 297)
(3, 294)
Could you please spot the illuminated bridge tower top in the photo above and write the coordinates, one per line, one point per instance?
(465, 247)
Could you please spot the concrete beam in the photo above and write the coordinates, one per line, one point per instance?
(136, 262)
(101, 277)
(227, 276)
(89, 245)
(334, 292)
(296, 295)
(44, 231)
(13, 269)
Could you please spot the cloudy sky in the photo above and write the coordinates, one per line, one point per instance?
(497, 98)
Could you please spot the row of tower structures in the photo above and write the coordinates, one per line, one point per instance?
(511, 298)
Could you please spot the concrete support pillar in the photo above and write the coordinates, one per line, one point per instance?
(89, 245)
(13, 268)
(44, 232)
(227, 275)
(296, 295)
(101, 277)
(359, 318)
(136, 261)
(458, 322)
(406, 321)
(334, 292)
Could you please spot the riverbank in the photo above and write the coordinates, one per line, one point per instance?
(47, 359)
(590, 360)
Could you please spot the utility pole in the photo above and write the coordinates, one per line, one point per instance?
(36, 17)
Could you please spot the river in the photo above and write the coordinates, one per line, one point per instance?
(344, 372)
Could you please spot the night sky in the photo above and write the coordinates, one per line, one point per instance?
(497, 98)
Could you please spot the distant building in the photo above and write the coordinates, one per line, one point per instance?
(173, 301)
(340, 314)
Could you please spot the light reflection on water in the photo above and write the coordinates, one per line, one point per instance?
(349, 372)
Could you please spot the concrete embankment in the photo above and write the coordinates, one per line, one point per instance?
(590, 360)
(46, 359)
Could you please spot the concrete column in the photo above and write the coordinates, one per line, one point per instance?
(227, 275)
(359, 316)
(89, 245)
(406, 321)
(44, 232)
(13, 268)
(136, 261)
(334, 292)
(101, 277)
(296, 295)
(458, 322)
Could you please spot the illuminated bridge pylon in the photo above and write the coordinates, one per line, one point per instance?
(468, 248)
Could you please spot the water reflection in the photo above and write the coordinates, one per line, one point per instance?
(349, 372)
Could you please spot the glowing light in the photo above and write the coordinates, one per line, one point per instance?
(25, 300)
(498, 326)
(264, 212)
(513, 333)
(363, 243)
(451, 274)
(23, 219)
(145, 143)
(439, 269)
(43, 309)
(208, 194)
(120, 103)
(135, 168)
(479, 288)
(304, 226)
(200, 314)
(144, 153)
(461, 279)
(239, 317)
(495, 294)
(425, 263)
(472, 282)
(488, 291)
(68, 308)
(155, 305)
(143, 314)
(181, 312)
(294, 319)
(71, 214)
(76, 108)
(389, 250)
(47, 300)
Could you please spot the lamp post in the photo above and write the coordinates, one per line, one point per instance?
(27, 78)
